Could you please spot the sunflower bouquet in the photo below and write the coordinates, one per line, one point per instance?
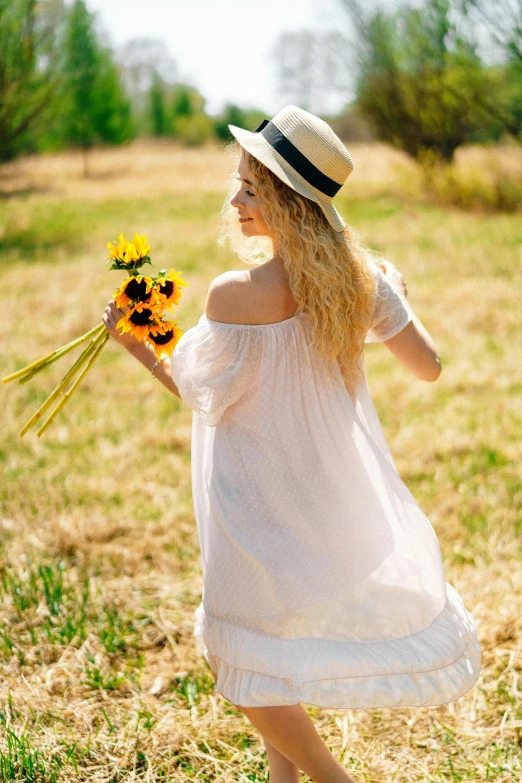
(146, 300)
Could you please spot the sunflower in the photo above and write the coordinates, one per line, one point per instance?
(140, 245)
(169, 288)
(163, 336)
(137, 320)
(137, 288)
(129, 255)
(136, 251)
(117, 249)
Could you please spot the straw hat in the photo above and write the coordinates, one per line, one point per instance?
(304, 152)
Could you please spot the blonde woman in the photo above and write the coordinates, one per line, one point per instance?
(323, 578)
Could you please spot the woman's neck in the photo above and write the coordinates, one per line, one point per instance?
(276, 260)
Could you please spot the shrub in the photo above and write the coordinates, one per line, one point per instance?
(480, 182)
(194, 131)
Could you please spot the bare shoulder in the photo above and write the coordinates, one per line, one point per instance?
(228, 297)
(251, 296)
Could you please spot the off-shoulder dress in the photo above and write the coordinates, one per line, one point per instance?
(323, 581)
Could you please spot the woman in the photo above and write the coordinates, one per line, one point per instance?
(323, 579)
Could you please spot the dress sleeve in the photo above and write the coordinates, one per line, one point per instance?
(212, 366)
(392, 312)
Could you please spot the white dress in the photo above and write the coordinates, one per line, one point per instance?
(323, 581)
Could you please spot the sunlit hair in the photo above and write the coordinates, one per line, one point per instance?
(327, 270)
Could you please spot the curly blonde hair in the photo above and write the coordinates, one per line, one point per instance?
(327, 270)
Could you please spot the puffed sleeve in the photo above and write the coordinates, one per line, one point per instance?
(392, 312)
(212, 366)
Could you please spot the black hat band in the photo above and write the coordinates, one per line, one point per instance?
(297, 160)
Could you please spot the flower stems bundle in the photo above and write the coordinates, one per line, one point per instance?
(68, 383)
(146, 299)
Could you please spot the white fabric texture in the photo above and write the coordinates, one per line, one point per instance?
(323, 581)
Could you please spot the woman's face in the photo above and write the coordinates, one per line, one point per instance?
(246, 203)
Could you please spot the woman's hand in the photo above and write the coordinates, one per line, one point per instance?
(110, 318)
(394, 276)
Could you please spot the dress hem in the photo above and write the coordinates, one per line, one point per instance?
(448, 648)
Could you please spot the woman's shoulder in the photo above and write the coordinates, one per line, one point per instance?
(242, 297)
(226, 296)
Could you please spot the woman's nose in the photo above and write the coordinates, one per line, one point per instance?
(235, 201)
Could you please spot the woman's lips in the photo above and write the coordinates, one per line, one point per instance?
(244, 220)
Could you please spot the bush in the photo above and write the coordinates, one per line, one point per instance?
(194, 131)
(486, 183)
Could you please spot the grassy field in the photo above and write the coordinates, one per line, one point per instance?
(99, 569)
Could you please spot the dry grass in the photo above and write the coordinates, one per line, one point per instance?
(161, 165)
(99, 569)
(480, 177)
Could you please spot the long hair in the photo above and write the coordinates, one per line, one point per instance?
(327, 270)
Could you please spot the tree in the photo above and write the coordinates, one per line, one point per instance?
(97, 109)
(422, 83)
(81, 71)
(312, 69)
(112, 115)
(249, 119)
(148, 71)
(189, 122)
(231, 115)
(503, 20)
(501, 23)
(28, 70)
(143, 60)
(158, 109)
(186, 101)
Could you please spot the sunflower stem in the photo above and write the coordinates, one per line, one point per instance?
(58, 355)
(39, 364)
(101, 343)
(63, 383)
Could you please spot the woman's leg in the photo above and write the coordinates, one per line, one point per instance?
(282, 770)
(290, 730)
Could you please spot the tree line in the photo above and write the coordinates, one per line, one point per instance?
(421, 81)
(61, 86)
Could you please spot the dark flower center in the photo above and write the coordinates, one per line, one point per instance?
(141, 319)
(167, 288)
(135, 290)
(162, 339)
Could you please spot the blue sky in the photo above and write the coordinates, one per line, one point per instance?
(221, 46)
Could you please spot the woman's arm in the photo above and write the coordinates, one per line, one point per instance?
(414, 347)
(141, 351)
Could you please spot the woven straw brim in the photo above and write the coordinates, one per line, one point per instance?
(259, 148)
